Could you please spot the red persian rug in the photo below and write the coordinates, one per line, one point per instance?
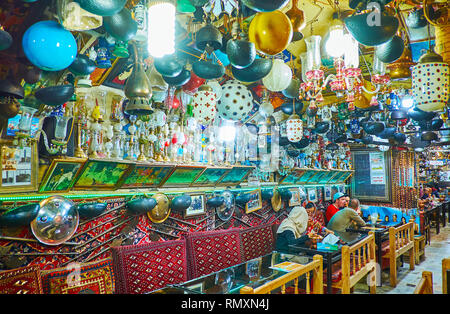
(90, 278)
(24, 280)
(256, 241)
(147, 267)
(211, 251)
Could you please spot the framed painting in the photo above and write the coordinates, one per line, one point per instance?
(295, 199)
(146, 176)
(183, 176)
(312, 195)
(317, 177)
(306, 176)
(101, 174)
(61, 174)
(292, 177)
(19, 168)
(197, 207)
(235, 175)
(210, 176)
(255, 201)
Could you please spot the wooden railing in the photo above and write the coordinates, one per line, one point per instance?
(358, 260)
(401, 240)
(445, 268)
(315, 267)
(425, 285)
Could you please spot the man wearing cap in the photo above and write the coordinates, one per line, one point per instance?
(339, 203)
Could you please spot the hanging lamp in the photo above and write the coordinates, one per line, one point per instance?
(138, 89)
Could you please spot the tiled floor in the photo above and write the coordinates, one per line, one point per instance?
(408, 279)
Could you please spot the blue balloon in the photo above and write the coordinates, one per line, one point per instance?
(49, 46)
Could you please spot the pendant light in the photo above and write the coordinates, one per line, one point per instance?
(138, 89)
(430, 81)
(294, 127)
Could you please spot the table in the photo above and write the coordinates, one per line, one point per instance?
(381, 232)
(253, 273)
(435, 215)
(329, 256)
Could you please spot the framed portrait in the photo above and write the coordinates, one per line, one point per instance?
(197, 207)
(183, 176)
(61, 174)
(312, 195)
(235, 175)
(253, 268)
(19, 168)
(327, 192)
(101, 174)
(211, 176)
(341, 188)
(146, 176)
(295, 199)
(255, 201)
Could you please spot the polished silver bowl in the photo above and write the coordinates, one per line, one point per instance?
(56, 221)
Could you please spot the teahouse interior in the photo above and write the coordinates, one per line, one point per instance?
(224, 147)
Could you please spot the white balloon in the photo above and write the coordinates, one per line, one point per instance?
(279, 77)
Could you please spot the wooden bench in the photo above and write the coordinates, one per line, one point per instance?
(445, 269)
(316, 267)
(401, 240)
(358, 261)
(425, 285)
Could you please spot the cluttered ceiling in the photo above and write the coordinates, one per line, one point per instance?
(354, 58)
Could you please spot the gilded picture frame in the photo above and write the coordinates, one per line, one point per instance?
(197, 207)
(255, 202)
(102, 174)
(61, 174)
(19, 168)
(295, 199)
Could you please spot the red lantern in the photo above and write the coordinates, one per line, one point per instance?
(193, 84)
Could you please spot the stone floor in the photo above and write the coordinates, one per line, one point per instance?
(438, 249)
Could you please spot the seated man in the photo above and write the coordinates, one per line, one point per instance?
(344, 219)
(339, 202)
(356, 206)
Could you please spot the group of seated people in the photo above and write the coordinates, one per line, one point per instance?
(306, 223)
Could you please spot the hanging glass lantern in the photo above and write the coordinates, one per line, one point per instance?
(351, 57)
(74, 18)
(103, 54)
(140, 16)
(204, 102)
(430, 81)
(294, 128)
(313, 57)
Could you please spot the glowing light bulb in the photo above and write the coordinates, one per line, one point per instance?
(334, 44)
(161, 29)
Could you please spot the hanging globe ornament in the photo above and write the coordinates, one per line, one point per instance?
(271, 32)
(236, 101)
(49, 46)
(102, 7)
(204, 105)
(279, 77)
